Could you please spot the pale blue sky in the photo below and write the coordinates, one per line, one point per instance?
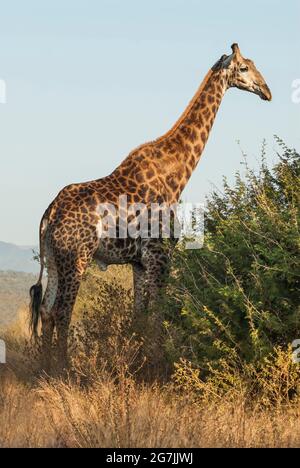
(87, 81)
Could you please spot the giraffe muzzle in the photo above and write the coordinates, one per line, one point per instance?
(265, 93)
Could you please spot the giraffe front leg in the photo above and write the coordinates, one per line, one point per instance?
(157, 268)
(141, 301)
(139, 285)
(157, 273)
(156, 260)
(149, 282)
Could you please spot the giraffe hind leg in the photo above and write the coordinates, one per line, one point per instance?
(46, 313)
(69, 279)
(67, 294)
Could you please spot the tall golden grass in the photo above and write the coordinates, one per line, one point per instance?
(106, 405)
(109, 414)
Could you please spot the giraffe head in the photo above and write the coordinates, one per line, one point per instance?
(242, 73)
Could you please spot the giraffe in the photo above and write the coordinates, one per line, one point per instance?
(156, 172)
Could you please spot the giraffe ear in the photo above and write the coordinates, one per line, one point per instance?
(223, 62)
(227, 61)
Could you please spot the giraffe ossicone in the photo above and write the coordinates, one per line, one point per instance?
(154, 173)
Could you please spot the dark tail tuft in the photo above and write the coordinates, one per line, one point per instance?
(36, 295)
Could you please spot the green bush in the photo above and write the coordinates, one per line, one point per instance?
(238, 297)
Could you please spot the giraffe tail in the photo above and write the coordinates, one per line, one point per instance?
(36, 296)
(36, 291)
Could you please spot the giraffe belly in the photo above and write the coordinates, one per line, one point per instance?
(116, 252)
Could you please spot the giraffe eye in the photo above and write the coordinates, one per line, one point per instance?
(244, 69)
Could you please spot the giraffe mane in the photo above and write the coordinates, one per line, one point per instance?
(181, 118)
(187, 110)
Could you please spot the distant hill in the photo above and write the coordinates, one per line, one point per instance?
(14, 293)
(15, 258)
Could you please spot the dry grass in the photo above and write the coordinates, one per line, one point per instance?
(104, 402)
(114, 410)
(124, 414)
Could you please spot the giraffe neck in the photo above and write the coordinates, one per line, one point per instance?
(163, 167)
(179, 151)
